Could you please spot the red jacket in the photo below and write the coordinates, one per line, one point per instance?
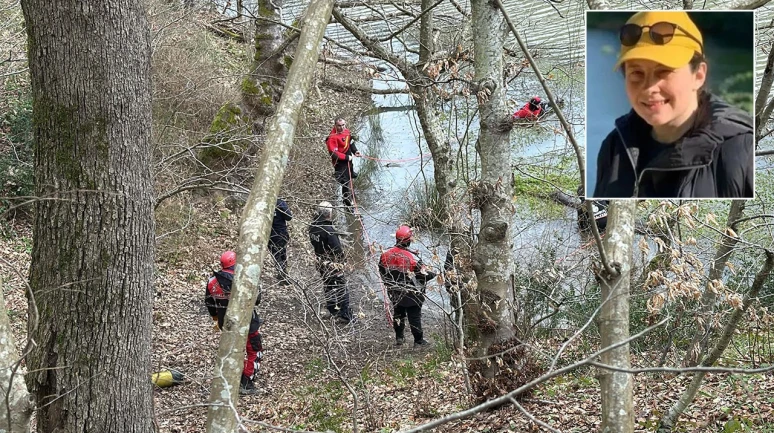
(340, 145)
(397, 266)
(526, 113)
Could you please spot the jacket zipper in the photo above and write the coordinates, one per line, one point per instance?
(634, 166)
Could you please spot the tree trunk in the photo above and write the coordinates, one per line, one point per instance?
(15, 418)
(93, 249)
(492, 259)
(763, 106)
(256, 222)
(262, 87)
(616, 387)
(670, 418)
(701, 336)
(426, 43)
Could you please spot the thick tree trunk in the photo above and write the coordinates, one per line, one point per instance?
(222, 416)
(262, 87)
(616, 387)
(701, 336)
(492, 260)
(670, 418)
(93, 248)
(14, 418)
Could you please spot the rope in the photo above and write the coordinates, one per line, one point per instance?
(424, 155)
(385, 298)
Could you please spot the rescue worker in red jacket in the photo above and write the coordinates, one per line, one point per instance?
(216, 300)
(342, 150)
(530, 110)
(405, 276)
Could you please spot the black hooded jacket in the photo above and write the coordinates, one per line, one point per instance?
(714, 159)
(325, 240)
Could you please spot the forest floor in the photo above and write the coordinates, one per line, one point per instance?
(315, 372)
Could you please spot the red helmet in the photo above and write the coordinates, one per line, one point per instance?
(228, 259)
(536, 99)
(404, 233)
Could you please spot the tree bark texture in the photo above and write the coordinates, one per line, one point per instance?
(262, 87)
(93, 250)
(426, 47)
(701, 336)
(616, 387)
(492, 257)
(763, 105)
(670, 418)
(15, 402)
(222, 416)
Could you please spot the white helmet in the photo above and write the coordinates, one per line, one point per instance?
(325, 209)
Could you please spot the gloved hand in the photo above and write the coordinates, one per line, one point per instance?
(215, 326)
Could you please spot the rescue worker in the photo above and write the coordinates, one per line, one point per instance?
(531, 110)
(405, 277)
(278, 241)
(330, 263)
(342, 150)
(216, 299)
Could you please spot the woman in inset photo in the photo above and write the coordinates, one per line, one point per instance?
(678, 140)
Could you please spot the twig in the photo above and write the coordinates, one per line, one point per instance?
(682, 370)
(417, 18)
(507, 397)
(532, 417)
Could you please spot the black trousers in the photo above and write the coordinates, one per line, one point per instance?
(278, 246)
(344, 176)
(336, 295)
(414, 314)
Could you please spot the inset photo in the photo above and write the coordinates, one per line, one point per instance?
(669, 100)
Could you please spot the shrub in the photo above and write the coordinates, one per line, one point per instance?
(516, 367)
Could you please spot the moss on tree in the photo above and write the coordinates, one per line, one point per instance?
(227, 125)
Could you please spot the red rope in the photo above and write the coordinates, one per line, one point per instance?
(425, 155)
(387, 313)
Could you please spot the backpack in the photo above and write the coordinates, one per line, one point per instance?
(225, 280)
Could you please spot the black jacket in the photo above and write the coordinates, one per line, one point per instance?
(325, 241)
(282, 214)
(713, 159)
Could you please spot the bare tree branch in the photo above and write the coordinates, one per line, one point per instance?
(745, 4)
(507, 397)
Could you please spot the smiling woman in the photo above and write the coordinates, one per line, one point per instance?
(678, 140)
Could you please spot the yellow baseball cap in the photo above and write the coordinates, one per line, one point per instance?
(674, 53)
